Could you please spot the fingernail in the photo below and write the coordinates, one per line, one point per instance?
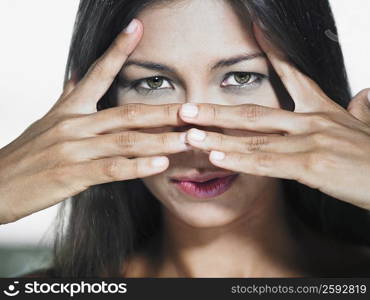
(217, 155)
(197, 135)
(159, 161)
(189, 110)
(131, 28)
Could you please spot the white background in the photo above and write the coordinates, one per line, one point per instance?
(35, 37)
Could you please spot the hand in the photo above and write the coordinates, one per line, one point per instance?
(323, 146)
(359, 106)
(72, 147)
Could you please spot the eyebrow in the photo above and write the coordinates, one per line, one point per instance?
(236, 59)
(220, 64)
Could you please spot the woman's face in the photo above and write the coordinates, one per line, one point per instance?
(197, 42)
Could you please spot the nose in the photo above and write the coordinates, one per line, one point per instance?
(188, 126)
(198, 91)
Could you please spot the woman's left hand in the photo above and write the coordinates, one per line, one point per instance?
(323, 145)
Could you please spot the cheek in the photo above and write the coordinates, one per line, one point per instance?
(265, 95)
(156, 185)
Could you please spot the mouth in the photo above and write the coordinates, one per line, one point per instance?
(201, 177)
(207, 185)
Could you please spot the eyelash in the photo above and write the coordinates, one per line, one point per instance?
(135, 84)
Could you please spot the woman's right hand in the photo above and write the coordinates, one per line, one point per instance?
(74, 147)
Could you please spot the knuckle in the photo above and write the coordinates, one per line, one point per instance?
(256, 143)
(60, 180)
(319, 138)
(98, 70)
(328, 141)
(319, 121)
(112, 168)
(327, 162)
(164, 139)
(62, 150)
(220, 139)
(136, 168)
(167, 111)
(319, 162)
(238, 157)
(127, 139)
(214, 113)
(64, 127)
(264, 160)
(252, 112)
(131, 111)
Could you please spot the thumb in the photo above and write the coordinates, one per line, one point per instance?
(70, 84)
(359, 106)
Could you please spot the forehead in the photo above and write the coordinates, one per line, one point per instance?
(192, 29)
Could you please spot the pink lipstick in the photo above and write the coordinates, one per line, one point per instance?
(206, 189)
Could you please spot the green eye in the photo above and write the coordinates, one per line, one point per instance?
(152, 85)
(154, 82)
(242, 77)
(243, 80)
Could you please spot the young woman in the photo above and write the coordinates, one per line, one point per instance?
(265, 158)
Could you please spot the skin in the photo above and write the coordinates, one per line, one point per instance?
(74, 139)
(262, 142)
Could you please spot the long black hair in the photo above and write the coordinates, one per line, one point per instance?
(108, 222)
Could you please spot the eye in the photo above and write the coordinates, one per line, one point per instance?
(153, 83)
(241, 79)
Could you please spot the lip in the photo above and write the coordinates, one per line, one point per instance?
(196, 177)
(209, 189)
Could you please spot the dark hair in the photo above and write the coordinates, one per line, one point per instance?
(110, 221)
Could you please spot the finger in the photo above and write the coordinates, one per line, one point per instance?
(116, 169)
(114, 120)
(279, 165)
(306, 93)
(209, 141)
(359, 107)
(127, 144)
(101, 74)
(131, 115)
(68, 87)
(246, 116)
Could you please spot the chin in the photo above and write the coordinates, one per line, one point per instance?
(204, 215)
